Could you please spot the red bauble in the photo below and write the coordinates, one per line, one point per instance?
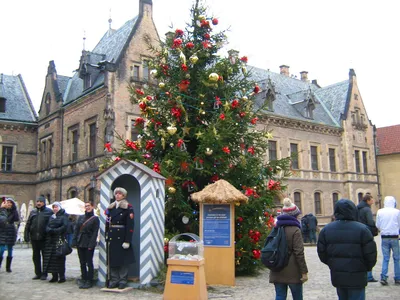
(215, 21)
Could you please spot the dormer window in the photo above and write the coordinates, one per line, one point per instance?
(47, 103)
(2, 105)
(308, 110)
(87, 81)
(269, 99)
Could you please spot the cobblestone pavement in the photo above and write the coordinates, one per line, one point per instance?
(19, 285)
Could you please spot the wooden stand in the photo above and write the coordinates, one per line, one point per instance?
(220, 261)
(185, 280)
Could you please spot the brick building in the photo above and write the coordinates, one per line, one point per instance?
(327, 127)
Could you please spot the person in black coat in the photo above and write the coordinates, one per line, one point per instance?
(349, 250)
(8, 234)
(85, 239)
(56, 229)
(119, 228)
(35, 232)
(312, 224)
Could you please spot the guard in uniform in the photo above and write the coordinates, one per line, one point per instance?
(119, 229)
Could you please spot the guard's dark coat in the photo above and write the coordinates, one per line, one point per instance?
(85, 236)
(56, 228)
(122, 217)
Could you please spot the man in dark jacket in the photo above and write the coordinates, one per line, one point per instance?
(85, 239)
(349, 249)
(365, 217)
(312, 223)
(35, 232)
(119, 238)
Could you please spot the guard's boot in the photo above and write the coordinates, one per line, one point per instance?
(54, 277)
(8, 264)
(62, 278)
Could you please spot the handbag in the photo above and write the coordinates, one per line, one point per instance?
(63, 248)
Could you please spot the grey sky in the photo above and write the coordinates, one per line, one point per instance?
(325, 38)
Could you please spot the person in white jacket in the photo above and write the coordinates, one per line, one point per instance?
(388, 223)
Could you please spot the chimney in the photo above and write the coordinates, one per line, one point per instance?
(146, 8)
(304, 76)
(284, 70)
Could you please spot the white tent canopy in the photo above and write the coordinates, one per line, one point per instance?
(73, 206)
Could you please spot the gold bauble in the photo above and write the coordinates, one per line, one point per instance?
(171, 129)
(244, 98)
(201, 17)
(171, 190)
(213, 77)
(193, 59)
(187, 76)
(209, 151)
(161, 85)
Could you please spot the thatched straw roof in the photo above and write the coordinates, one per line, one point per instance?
(219, 192)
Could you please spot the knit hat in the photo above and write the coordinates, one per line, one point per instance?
(290, 208)
(41, 199)
(56, 204)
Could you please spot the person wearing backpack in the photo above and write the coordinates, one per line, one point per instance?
(295, 273)
(348, 248)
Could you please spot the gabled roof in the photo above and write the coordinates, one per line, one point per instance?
(110, 48)
(19, 106)
(290, 92)
(388, 140)
(334, 97)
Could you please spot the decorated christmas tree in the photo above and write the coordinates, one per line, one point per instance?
(199, 124)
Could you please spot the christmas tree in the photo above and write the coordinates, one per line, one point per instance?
(199, 125)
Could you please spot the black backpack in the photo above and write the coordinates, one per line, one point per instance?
(275, 253)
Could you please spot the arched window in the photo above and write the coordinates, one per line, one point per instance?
(72, 193)
(277, 200)
(360, 197)
(297, 200)
(317, 203)
(335, 198)
(47, 103)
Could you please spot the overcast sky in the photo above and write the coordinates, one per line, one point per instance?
(325, 38)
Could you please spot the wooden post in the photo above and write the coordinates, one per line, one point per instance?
(217, 230)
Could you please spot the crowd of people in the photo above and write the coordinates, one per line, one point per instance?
(346, 245)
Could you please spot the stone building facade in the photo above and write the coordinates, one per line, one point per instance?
(326, 127)
(388, 160)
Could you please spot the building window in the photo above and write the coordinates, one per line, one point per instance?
(314, 157)
(2, 105)
(357, 161)
(92, 139)
(365, 161)
(332, 160)
(50, 152)
(297, 199)
(72, 193)
(269, 100)
(47, 103)
(134, 131)
(74, 145)
(317, 203)
(294, 155)
(135, 72)
(44, 154)
(91, 195)
(335, 198)
(355, 97)
(360, 197)
(277, 200)
(87, 81)
(146, 72)
(272, 150)
(6, 158)
(48, 198)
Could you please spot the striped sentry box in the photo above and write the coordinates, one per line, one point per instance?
(152, 195)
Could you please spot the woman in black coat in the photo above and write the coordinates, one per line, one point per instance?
(56, 229)
(8, 234)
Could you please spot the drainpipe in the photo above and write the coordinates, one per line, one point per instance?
(377, 173)
(62, 151)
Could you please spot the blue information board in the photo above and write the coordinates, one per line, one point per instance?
(217, 225)
(178, 277)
